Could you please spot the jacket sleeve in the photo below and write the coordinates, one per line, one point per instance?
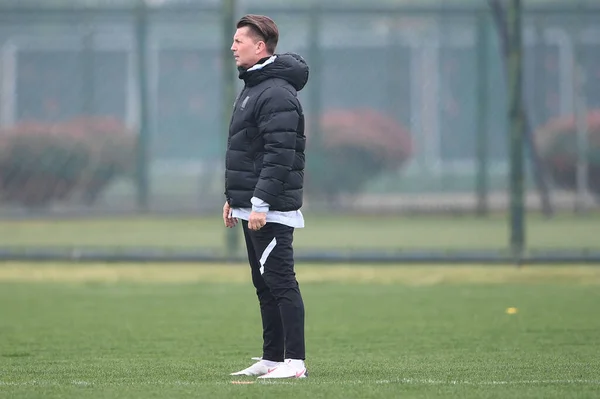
(278, 118)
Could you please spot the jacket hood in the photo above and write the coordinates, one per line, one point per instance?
(288, 66)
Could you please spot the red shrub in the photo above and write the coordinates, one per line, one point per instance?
(369, 130)
(557, 144)
(355, 146)
(42, 162)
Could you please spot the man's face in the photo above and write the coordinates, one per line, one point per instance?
(246, 49)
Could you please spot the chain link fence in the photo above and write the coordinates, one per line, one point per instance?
(113, 127)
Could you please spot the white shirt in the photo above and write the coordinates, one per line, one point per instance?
(291, 218)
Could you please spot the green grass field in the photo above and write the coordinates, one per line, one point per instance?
(340, 232)
(177, 331)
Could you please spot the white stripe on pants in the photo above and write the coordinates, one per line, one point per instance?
(266, 253)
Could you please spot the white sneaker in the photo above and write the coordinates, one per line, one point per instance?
(290, 368)
(259, 368)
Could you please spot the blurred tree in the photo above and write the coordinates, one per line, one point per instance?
(500, 18)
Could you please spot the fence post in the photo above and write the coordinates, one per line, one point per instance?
(228, 10)
(580, 114)
(143, 143)
(87, 72)
(582, 174)
(314, 55)
(517, 128)
(482, 115)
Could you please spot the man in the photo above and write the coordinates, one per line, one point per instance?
(264, 188)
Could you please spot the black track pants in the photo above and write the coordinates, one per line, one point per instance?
(271, 258)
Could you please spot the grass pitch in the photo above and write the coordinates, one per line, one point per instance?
(334, 232)
(177, 331)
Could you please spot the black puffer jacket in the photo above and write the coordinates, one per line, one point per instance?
(265, 149)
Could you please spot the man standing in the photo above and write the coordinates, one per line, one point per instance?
(264, 188)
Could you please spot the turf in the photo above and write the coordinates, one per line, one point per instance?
(342, 232)
(177, 331)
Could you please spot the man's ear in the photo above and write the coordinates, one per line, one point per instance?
(260, 46)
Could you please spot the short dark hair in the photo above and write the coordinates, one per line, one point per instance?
(263, 27)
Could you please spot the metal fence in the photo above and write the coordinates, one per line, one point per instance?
(117, 115)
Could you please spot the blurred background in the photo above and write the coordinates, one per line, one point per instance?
(114, 113)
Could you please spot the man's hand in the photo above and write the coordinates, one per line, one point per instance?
(227, 219)
(257, 220)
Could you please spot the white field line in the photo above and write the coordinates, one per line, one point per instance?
(310, 381)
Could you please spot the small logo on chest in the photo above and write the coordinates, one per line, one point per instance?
(245, 102)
